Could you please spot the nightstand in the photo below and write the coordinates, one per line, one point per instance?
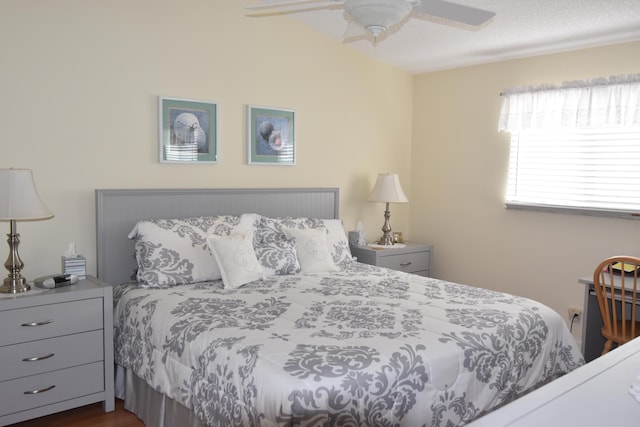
(412, 258)
(56, 350)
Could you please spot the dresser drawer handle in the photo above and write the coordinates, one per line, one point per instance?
(35, 359)
(51, 387)
(405, 264)
(45, 322)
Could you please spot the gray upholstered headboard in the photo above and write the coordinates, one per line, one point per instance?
(117, 211)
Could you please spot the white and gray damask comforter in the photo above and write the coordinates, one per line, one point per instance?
(362, 347)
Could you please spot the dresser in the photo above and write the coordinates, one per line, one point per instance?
(56, 350)
(411, 258)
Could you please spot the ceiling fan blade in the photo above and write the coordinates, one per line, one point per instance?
(355, 32)
(454, 12)
(267, 13)
(287, 4)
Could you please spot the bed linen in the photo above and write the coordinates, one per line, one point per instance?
(364, 346)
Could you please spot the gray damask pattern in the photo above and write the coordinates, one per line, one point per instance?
(319, 361)
(197, 315)
(361, 347)
(362, 287)
(364, 396)
(234, 395)
(133, 338)
(357, 319)
(276, 253)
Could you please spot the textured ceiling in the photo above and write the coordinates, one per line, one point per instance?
(520, 28)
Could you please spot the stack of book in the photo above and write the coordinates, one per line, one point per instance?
(75, 265)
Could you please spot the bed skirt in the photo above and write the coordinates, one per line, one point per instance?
(152, 407)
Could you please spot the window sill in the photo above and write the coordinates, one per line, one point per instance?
(573, 210)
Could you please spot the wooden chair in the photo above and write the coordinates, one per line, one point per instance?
(618, 277)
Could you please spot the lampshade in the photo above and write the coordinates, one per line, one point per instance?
(378, 15)
(387, 189)
(19, 199)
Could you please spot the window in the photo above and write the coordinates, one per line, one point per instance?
(575, 148)
(591, 169)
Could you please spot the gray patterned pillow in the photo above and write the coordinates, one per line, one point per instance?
(276, 253)
(271, 240)
(172, 252)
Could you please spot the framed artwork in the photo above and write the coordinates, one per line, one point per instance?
(188, 131)
(271, 136)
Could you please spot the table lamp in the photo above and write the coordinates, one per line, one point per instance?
(19, 201)
(388, 190)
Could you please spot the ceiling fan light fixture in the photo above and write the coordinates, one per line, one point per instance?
(378, 15)
(376, 29)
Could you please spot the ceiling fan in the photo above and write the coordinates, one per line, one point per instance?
(378, 16)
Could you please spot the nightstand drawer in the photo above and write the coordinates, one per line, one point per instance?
(409, 257)
(39, 390)
(36, 357)
(408, 262)
(50, 320)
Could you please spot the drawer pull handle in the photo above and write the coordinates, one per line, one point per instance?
(405, 264)
(45, 322)
(35, 359)
(39, 391)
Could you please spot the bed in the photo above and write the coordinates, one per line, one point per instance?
(304, 335)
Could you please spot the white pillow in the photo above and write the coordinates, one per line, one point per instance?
(236, 258)
(312, 249)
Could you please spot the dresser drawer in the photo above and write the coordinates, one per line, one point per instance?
(36, 357)
(407, 262)
(50, 320)
(18, 395)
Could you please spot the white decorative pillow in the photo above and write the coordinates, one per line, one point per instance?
(312, 250)
(172, 252)
(273, 255)
(236, 258)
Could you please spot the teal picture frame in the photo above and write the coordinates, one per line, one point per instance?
(271, 136)
(188, 130)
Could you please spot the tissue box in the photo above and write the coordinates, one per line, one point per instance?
(76, 265)
(356, 238)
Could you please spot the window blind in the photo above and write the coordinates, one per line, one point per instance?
(583, 169)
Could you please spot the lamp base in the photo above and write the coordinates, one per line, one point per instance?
(386, 240)
(14, 285)
(387, 237)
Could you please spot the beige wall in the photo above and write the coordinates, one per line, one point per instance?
(459, 166)
(78, 105)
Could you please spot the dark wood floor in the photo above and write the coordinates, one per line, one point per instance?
(87, 416)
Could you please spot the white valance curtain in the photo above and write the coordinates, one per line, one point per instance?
(594, 103)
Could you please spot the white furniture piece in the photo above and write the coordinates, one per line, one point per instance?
(412, 258)
(56, 350)
(596, 394)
